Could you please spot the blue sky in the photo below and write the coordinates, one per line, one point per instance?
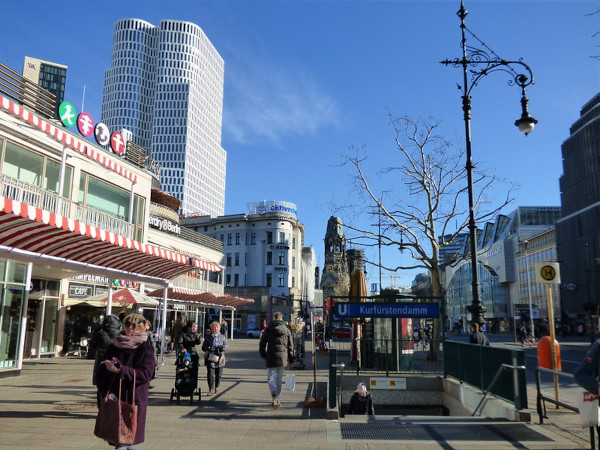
(306, 80)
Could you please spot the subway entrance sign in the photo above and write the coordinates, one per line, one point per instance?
(421, 310)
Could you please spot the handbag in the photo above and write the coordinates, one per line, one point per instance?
(213, 358)
(290, 382)
(588, 410)
(116, 422)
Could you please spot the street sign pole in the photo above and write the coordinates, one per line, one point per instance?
(548, 273)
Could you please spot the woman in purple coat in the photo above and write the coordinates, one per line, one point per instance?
(130, 353)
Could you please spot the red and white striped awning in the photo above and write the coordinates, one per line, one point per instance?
(200, 297)
(199, 262)
(60, 135)
(34, 230)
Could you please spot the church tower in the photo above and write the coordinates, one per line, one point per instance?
(335, 279)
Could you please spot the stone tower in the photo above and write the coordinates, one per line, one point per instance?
(335, 279)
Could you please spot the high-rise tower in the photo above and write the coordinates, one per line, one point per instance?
(165, 85)
(578, 231)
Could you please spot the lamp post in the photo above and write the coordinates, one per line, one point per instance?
(521, 75)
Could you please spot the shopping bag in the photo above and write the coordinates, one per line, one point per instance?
(116, 422)
(588, 410)
(290, 382)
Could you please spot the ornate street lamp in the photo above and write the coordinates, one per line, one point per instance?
(479, 62)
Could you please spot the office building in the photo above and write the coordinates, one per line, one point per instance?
(48, 75)
(578, 231)
(502, 262)
(263, 256)
(165, 85)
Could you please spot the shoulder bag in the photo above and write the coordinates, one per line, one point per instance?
(116, 422)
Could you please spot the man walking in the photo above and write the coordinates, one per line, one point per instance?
(477, 337)
(276, 348)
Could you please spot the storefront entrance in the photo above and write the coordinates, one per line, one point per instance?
(42, 314)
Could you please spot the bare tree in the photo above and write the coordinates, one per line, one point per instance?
(425, 206)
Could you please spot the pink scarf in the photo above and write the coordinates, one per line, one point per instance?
(130, 342)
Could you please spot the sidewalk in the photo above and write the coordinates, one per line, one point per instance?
(52, 405)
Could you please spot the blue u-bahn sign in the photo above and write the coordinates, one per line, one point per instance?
(420, 310)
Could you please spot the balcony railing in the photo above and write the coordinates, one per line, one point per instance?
(198, 284)
(50, 201)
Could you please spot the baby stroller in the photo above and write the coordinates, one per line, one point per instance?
(186, 378)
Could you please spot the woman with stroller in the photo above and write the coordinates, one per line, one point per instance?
(214, 347)
(188, 339)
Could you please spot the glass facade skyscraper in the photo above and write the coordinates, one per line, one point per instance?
(578, 231)
(48, 75)
(165, 85)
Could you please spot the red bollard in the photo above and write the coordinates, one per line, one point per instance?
(544, 353)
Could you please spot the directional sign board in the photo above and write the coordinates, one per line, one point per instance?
(343, 310)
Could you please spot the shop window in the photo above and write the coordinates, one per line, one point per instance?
(23, 164)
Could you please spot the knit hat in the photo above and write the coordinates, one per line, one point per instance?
(186, 357)
(361, 387)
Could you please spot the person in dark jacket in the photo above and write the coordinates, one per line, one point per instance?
(188, 339)
(129, 354)
(276, 346)
(214, 347)
(361, 401)
(477, 337)
(111, 326)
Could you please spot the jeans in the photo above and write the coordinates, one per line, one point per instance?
(274, 376)
(213, 376)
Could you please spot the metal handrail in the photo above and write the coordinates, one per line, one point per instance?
(493, 382)
(542, 399)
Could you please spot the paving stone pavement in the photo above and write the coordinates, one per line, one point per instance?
(52, 405)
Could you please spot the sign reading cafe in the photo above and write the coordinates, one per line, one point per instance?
(164, 225)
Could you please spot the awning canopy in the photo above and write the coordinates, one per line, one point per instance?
(199, 262)
(126, 295)
(202, 298)
(34, 230)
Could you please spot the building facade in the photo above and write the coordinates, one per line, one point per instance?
(537, 249)
(578, 231)
(263, 255)
(76, 222)
(499, 273)
(48, 75)
(165, 85)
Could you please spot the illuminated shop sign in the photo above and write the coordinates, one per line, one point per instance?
(86, 127)
(273, 206)
(164, 225)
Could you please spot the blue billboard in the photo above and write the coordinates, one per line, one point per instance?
(419, 310)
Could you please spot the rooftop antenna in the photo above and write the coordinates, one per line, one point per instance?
(83, 99)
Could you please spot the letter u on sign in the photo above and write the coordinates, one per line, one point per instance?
(342, 309)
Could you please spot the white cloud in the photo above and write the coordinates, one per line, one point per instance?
(267, 103)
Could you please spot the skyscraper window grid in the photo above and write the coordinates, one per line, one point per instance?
(165, 85)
